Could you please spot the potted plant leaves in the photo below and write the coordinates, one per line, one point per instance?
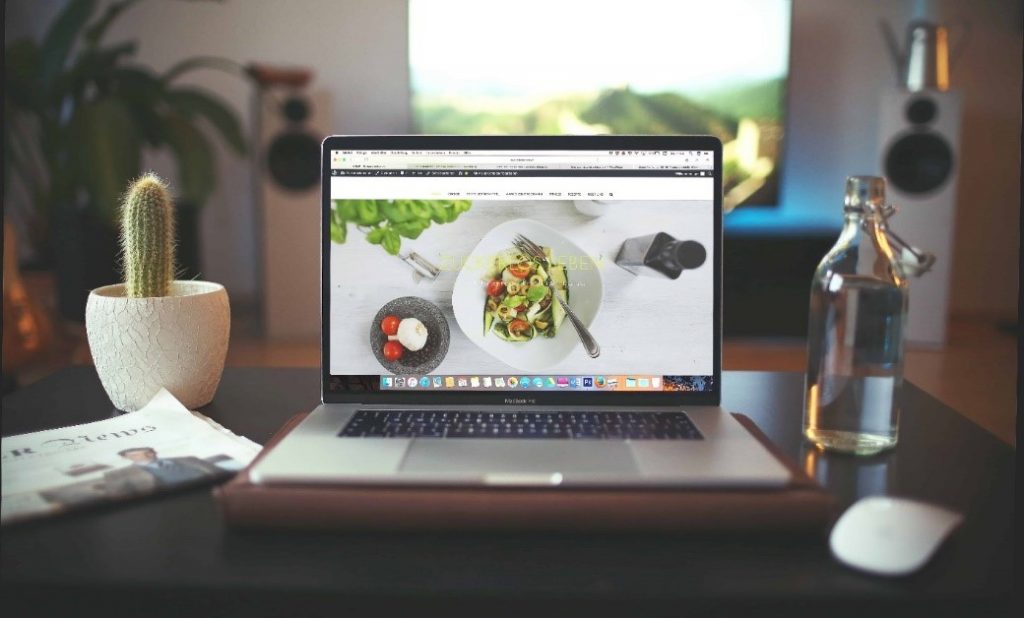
(79, 115)
(153, 331)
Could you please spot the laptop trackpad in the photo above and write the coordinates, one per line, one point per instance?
(467, 456)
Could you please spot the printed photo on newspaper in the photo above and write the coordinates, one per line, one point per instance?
(159, 448)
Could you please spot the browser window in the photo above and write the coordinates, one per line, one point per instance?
(464, 270)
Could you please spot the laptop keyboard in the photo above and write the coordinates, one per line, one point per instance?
(532, 425)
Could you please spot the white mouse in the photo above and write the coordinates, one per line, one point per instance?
(891, 536)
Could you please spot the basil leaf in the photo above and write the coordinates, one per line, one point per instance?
(392, 242)
(420, 209)
(339, 231)
(438, 213)
(396, 211)
(347, 208)
(375, 236)
(367, 212)
(411, 229)
(536, 293)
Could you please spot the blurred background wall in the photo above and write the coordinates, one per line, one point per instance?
(359, 51)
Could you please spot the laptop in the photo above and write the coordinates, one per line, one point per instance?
(521, 311)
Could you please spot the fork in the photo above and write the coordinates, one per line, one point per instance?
(535, 251)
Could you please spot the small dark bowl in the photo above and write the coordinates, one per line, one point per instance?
(421, 361)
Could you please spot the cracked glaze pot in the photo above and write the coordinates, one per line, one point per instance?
(142, 344)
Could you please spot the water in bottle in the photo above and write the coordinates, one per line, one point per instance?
(855, 334)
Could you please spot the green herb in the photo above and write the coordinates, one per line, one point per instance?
(536, 293)
(514, 301)
(411, 229)
(338, 228)
(367, 212)
(392, 243)
(386, 222)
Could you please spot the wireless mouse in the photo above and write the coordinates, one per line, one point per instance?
(891, 536)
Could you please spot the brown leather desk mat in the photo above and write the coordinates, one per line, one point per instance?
(800, 506)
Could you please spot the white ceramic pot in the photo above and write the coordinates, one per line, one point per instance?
(142, 344)
(593, 208)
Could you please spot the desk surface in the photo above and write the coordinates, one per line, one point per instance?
(173, 553)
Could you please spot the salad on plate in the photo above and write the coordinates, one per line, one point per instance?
(519, 306)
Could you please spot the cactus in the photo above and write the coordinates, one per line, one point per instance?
(147, 238)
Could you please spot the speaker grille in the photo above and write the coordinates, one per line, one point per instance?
(293, 160)
(295, 109)
(921, 111)
(919, 162)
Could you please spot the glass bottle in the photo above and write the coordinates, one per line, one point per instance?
(855, 333)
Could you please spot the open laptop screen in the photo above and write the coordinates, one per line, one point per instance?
(427, 291)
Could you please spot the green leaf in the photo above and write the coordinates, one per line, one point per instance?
(339, 231)
(95, 32)
(396, 211)
(514, 301)
(106, 153)
(137, 82)
(192, 102)
(21, 75)
(141, 90)
(202, 62)
(375, 236)
(411, 229)
(392, 242)
(196, 165)
(438, 212)
(536, 293)
(367, 212)
(91, 67)
(339, 228)
(449, 213)
(346, 209)
(420, 209)
(61, 37)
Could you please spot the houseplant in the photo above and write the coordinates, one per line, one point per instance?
(79, 115)
(152, 331)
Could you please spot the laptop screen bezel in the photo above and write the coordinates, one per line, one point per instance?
(533, 398)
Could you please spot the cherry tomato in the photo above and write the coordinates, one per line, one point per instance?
(393, 350)
(495, 288)
(389, 325)
(520, 270)
(517, 326)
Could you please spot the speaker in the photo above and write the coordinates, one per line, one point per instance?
(291, 124)
(919, 143)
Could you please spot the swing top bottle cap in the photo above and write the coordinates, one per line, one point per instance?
(864, 192)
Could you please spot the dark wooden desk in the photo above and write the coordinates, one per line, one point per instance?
(172, 555)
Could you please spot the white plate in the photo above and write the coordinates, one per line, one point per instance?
(585, 295)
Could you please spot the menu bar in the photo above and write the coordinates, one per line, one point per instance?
(523, 160)
(522, 173)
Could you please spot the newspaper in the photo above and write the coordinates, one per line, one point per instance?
(159, 448)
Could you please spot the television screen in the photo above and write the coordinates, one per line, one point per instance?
(573, 67)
